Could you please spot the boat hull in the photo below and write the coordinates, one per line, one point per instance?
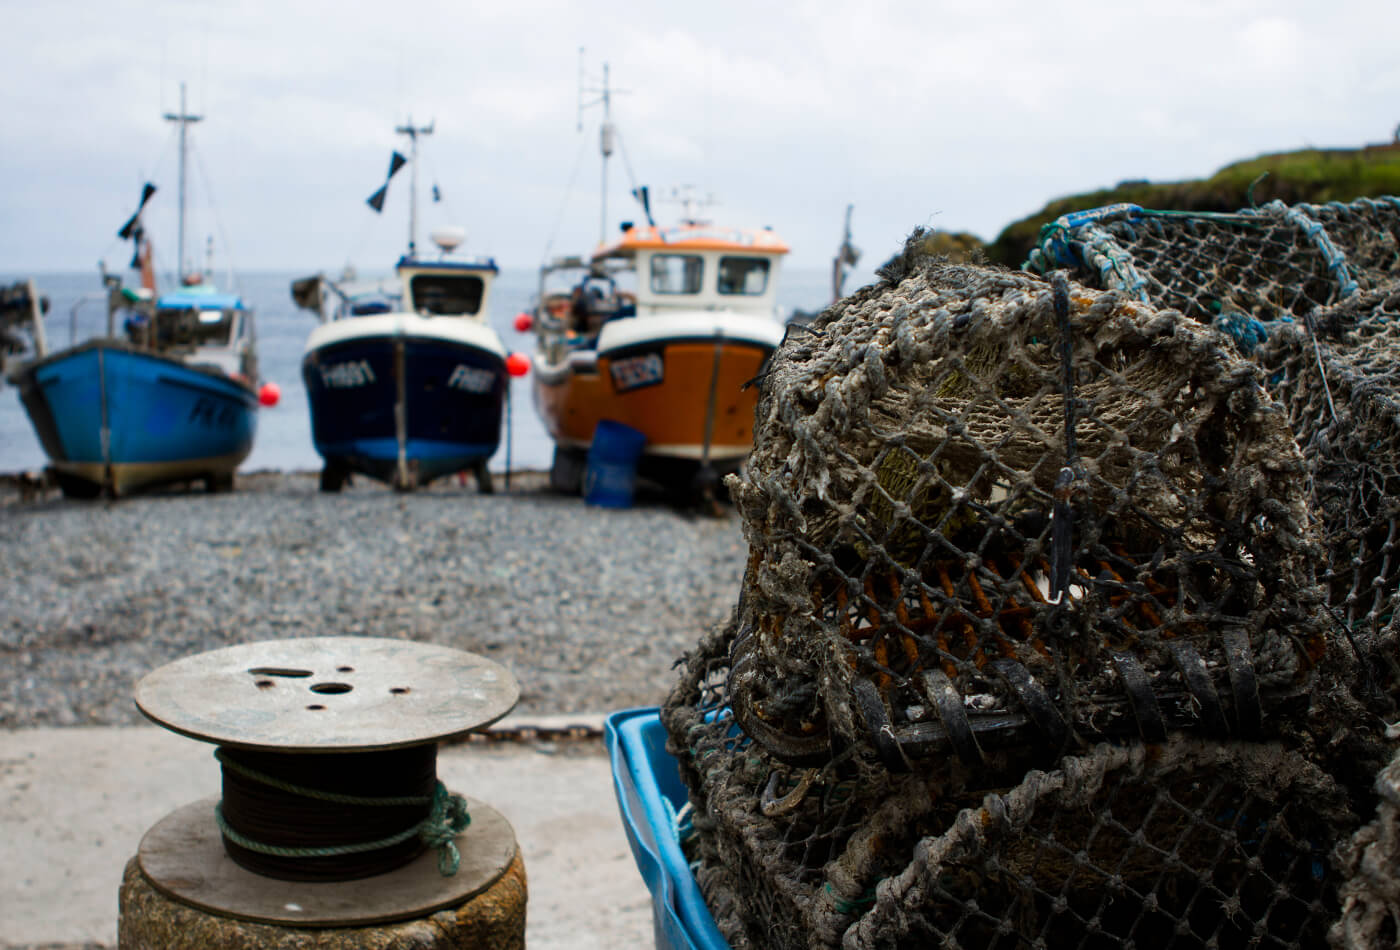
(685, 392)
(401, 407)
(115, 418)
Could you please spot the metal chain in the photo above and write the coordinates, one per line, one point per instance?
(526, 734)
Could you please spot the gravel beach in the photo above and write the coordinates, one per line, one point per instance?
(588, 607)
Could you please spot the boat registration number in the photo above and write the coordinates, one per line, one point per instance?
(634, 372)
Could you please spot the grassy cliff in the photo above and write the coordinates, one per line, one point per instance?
(1311, 175)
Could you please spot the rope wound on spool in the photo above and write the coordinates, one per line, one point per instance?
(328, 748)
(335, 818)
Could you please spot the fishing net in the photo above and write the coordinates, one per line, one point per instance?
(1242, 272)
(1029, 650)
(1311, 292)
(1183, 844)
(1370, 865)
(1338, 377)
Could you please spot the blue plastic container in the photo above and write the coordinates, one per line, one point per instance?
(611, 475)
(649, 793)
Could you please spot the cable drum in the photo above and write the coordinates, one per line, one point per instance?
(328, 749)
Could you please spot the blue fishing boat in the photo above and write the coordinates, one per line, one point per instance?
(405, 377)
(168, 394)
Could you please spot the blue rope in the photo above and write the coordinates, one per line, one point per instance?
(1056, 241)
(1100, 251)
(1245, 330)
(1335, 260)
(1080, 239)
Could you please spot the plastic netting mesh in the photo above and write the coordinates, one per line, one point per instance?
(1029, 651)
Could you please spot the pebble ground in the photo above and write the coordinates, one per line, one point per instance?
(589, 607)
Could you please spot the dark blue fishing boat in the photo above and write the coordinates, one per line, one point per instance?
(406, 378)
(167, 395)
(407, 384)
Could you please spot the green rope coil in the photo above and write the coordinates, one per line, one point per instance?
(447, 818)
(848, 906)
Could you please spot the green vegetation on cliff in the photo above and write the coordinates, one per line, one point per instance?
(1312, 176)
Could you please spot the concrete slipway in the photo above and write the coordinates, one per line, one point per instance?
(75, 802)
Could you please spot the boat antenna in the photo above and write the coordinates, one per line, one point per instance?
(607, 134)
(185, 119)
(691, 204)
(413, 132)
(847, 256)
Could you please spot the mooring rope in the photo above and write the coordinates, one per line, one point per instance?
(272, 816)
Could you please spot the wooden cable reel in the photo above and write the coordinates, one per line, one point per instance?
(317, 736)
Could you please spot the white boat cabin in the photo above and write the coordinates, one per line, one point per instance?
(700, 267)
(446, 288)
(663, 272)
(423, 288)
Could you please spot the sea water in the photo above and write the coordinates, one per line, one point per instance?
(77, 312)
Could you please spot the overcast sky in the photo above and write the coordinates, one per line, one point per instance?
(957, 115)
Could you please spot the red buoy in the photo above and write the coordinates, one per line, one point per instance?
(269, 394)
(523, 322)
(517, 364)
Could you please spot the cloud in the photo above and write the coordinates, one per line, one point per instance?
(963, 116)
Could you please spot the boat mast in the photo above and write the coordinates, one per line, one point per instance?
(413, 132)
(185, 120)
(607, 135)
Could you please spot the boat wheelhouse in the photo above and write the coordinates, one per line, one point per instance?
(406, 379)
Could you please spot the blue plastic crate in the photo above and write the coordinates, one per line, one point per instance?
(649, 793)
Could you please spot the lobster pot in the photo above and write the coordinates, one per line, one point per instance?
(1368, 861)
(1242, 271)
(1310, 292)
(1000, 529)
(1185, 844)
(1340, 385)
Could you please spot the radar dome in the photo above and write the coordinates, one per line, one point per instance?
(449, 238)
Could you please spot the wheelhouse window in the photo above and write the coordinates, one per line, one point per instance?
(191, 327)
(446, 294)
(676, 273)
(745, 276)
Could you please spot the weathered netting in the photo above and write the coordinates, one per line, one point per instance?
(1189, 843)
(1242, 271)
(900, 511)
(1370, 865)
(1338, 377)
(1029, 651)
(1316, 284)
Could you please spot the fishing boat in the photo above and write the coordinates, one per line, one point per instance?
(405, 377)
(22, 310)
(169, 393)
(659, 330)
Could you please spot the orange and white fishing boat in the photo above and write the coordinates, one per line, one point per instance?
(659, 330)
